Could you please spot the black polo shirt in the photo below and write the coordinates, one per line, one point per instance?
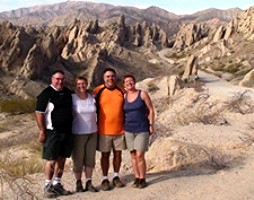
(57, 108)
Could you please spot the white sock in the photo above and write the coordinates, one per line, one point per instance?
(56, 180)
(105, 177)
(116, 174)
(47, 182)
(88, 179)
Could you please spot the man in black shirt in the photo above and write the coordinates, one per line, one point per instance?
(54, 119)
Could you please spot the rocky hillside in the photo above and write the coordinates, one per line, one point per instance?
(63, 14)
(85, 47)
(28, 55)
(224, 51)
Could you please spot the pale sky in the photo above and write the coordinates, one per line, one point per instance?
(175, 6)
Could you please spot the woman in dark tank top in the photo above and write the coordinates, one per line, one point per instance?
(139, 125)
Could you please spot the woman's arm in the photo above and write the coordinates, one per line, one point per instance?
(149, 105)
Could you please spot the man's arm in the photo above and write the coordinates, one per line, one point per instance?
(40, 119)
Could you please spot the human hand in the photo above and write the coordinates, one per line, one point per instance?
(42, 137)
(151, 129)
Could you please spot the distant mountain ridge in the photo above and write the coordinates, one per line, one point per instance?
(63, 14)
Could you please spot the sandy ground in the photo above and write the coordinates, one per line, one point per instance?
(235, 182)
(176, 167)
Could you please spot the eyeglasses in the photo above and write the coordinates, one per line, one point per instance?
(58, 79)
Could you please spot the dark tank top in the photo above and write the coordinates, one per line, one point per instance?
(136, 115)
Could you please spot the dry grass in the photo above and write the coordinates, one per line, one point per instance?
(200, 114)
(15, 168)
(160, 133)
(240, 102)
(17, 106)
(216, 159)
(20, 187)
(21, 166)
(152, 86)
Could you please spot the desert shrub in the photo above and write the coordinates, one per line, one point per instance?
(162, 104)
(161, 131)
(240, 102)
(233, 68)
(17, 106)
(20, 187)
(19, 167)
(216, 159)
(176, 56)
(201, 114)
(152, 86)
(249, 134)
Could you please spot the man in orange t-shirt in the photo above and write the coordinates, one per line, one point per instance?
(110, 98)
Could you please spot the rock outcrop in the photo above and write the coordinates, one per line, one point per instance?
(189, 34)
(82, 48)
(248, 80)
(191, 69)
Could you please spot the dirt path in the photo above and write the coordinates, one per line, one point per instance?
(221, 88)
(217, 86)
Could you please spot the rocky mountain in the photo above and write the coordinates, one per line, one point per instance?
(225, 50)
(212, 13)
(28, 54)
(63, 14)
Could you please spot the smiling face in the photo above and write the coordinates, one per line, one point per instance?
(57, 81)
(81, 85)
(109, 79)
(129, 83)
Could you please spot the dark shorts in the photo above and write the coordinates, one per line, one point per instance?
(57, 144)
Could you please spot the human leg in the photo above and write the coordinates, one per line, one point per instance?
(117, 160)
(59, 167)
(141, 164)
(49, 169)
(89, 160)
(104, 168)
(140, 145)
(49, 173)
(90, 153)
(105, 163)
(78, 154)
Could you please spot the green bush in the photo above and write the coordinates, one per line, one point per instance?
(17, 106)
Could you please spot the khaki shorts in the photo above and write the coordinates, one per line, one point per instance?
(84, 150)
(106, 143)
(137, 141)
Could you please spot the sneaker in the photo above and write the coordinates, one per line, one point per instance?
(49, 192)
(105, 185)
(90, 187)
(117, 182)
(58, 188)
(79, 186)
(136, 183)
(142, 183)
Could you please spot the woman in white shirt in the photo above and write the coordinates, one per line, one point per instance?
(84, 128)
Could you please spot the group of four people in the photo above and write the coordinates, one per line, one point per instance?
(76, 124)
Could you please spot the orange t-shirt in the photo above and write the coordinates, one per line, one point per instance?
(110, 110)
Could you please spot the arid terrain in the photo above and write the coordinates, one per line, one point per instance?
(202, 148)
(200, 78)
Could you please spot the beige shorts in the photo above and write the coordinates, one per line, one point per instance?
(137, 141)
(84, 150)
(106, 143)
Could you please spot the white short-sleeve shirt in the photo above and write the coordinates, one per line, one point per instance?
(84, 115)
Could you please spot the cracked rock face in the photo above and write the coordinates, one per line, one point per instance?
(82, 47)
